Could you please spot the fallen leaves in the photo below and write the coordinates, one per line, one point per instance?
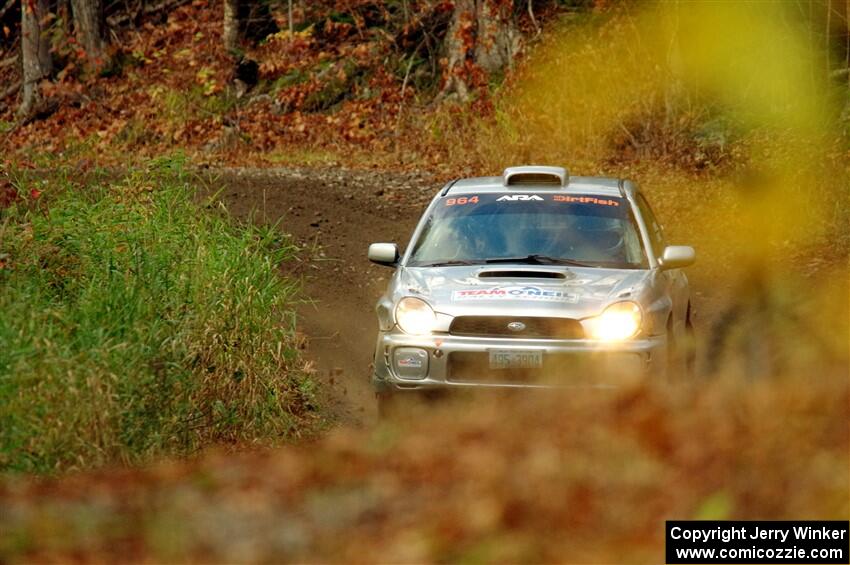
(559, 480)
(327, 85)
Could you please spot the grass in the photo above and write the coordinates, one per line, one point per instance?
(137, 324)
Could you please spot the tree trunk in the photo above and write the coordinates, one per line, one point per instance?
(88, 24)
(35, 53)
(482, 36)
(497, 38)
(460, 42)
(231, 25)
(289, 21)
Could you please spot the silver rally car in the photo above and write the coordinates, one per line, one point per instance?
(533, 279)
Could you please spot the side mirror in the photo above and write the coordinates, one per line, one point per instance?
(677, 256)
(384, 254)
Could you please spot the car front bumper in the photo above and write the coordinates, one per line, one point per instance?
(461, 362)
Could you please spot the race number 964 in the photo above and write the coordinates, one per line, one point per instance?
(461, 200)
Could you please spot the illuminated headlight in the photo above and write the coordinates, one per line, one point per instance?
(414, 316)
(621, 320)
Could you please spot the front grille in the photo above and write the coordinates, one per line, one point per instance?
(561, 368)
(535, 327)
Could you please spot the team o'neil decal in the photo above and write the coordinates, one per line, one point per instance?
(515, 293)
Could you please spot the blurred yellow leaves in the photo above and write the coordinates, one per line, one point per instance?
(674, 69)
(751, 60)
(753, 57)
(722, 112)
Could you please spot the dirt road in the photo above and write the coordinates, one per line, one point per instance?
(333, 215)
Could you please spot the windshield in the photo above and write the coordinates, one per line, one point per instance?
(530, 228)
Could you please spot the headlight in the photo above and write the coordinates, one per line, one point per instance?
(619, 321)
(414, 316)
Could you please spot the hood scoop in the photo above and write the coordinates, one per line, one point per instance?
(535, 176)
(521, 274)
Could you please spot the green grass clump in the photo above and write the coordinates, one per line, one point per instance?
(135, 323)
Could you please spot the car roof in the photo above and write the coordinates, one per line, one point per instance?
(604, 186)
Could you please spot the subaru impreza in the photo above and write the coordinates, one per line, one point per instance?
(534, 278)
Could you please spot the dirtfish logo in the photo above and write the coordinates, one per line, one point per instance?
(515, 197)
(515, 293)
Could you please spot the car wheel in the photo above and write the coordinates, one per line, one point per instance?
(681, 353)
(689, 349)
(386, 404)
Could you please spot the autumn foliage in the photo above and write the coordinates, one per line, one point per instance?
(589, 480)
(351, 82)
(722, 112)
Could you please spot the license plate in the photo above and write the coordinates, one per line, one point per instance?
(513, 359)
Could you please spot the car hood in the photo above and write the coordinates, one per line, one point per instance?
(528, 290)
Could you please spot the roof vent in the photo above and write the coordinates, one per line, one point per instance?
(536, 176)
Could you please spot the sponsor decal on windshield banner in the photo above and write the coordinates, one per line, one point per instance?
(585, 200)
(518, 198)
(515, 293)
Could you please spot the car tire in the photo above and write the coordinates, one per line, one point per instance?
(689, 350)
(386, 404)
(681, 354)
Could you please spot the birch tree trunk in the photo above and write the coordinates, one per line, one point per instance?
(231, 25)
(35, 53)
(88, 25)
